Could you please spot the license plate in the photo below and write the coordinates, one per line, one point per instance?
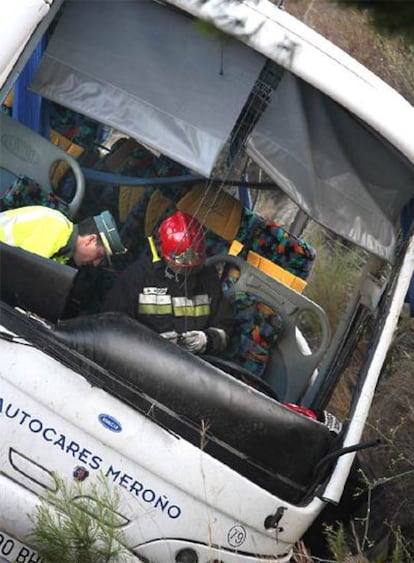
(15, 551)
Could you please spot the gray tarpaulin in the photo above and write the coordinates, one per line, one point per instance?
(339, 172)
(148, 71)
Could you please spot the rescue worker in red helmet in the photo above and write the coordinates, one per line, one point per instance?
(173, 292)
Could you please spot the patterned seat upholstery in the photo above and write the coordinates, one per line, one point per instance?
(257, 324)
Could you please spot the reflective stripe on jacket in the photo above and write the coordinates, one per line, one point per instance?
(155, 304)
(36, 229)
(167, 303)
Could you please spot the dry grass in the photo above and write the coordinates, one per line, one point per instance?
(392, 414)
(350, 28)
(334, 274)
(392, 419)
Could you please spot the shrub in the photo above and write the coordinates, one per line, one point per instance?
(336, 270)
(78, 525)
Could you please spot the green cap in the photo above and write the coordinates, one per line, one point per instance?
(109, 234)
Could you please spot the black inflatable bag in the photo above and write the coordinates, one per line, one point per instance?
(283, 444)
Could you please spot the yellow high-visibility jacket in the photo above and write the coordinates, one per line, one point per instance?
(43, 231)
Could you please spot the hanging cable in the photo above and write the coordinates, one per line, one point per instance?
(253, 109)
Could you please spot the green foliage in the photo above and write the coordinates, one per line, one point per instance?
(209, 30)
(401, 551)
(75, 525)
(395, 17)
(336, 270)
(339, 548)
(337, 543)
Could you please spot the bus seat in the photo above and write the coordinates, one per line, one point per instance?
(291, 362)
(49, 296)
(270, 249)
(25, 153)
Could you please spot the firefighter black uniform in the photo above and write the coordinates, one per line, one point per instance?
(176, 294)
(174, 304)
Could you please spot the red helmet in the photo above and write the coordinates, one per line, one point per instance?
(181, 240)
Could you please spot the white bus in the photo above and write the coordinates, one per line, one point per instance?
(210, 461)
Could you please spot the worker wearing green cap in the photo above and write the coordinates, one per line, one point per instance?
(49, 233)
